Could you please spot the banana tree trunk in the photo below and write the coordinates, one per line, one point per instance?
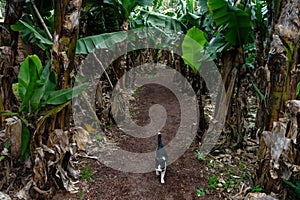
(282, 76)
(233, 71)
(8, 53)
(55, 130)
(66, 26)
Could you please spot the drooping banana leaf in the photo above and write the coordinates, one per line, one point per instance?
(31, 35)
(103, 41)
(154, 19)
(234, 22)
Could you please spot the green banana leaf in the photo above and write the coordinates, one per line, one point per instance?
(31, 35)
(103, 41)
(30, 72)
(61, 96)
(192, 47)
(235, 23)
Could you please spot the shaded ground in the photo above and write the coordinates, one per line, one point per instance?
(183, 177)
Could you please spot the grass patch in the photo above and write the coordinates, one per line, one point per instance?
(86, 173)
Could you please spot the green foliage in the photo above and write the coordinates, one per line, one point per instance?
(250, 61)
(25, 142)
(57, 97)
(189, 16)
(126, 6)
(298, 89)
(234, 23)
(29, 75)
(241, 165)
(261, 96)
(295, 186)
(105, 41)
(108, 126)
(99, 137)
(1, 158)
(81, 195)
(31, 34)
(256, 188)
(201, 192)
(174, 15)
(157, 4)
(216, 46)
(213, 182)
(146, 18)
(193, 43)
(15, 89)
(199, 155)
(2, 8)
(86, 173)
(229, 183)
(92, 20)
(37, 86)
(6, 144)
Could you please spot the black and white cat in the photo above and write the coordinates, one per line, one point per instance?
(161, 159)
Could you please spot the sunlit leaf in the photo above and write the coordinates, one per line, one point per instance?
(192, 47)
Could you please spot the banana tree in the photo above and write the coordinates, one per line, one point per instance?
(8, 58)
(281, 87)
(234, 26)
(44, 94)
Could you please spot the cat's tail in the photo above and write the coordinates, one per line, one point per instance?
(159, 141)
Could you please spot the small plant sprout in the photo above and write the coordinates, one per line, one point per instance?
(86, 173)
(241, 165)
(81, 195)
(108, 126)
(256, 188)
(199, 155)
(99, 137)
(201, 192)
(213, 182)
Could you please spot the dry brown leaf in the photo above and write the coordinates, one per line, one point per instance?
(14, 134)
(89, 128)
(82, 138)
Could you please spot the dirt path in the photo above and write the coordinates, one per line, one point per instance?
(183, 177)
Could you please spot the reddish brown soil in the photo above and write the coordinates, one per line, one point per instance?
(183, 177)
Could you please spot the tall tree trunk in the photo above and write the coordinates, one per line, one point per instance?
(282, 76)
